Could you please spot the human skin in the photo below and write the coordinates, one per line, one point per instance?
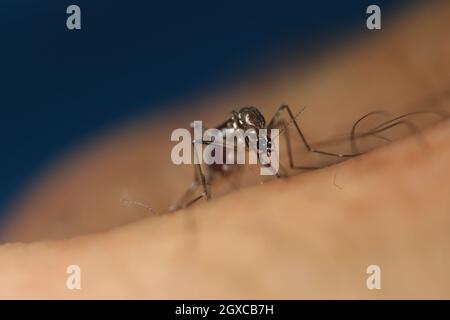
(309, 236)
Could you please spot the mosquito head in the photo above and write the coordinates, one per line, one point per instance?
(249, 118)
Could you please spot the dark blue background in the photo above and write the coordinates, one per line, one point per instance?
(59, 87)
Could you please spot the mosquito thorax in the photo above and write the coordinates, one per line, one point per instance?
(248, 118)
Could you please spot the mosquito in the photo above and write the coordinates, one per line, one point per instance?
(250, 118)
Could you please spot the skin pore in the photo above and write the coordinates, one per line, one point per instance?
(310, 236)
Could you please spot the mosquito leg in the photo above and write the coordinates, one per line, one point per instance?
(382, 137)
(284, 126)
(184, 202)
(202, 179)
(193, 200)
(357, 122)
(198, 168)
(392, 123)
(302, 136)
(382, 127)
(387, 125)
(199, 180)
(187, 194)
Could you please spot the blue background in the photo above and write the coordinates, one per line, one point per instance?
(60, 87)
